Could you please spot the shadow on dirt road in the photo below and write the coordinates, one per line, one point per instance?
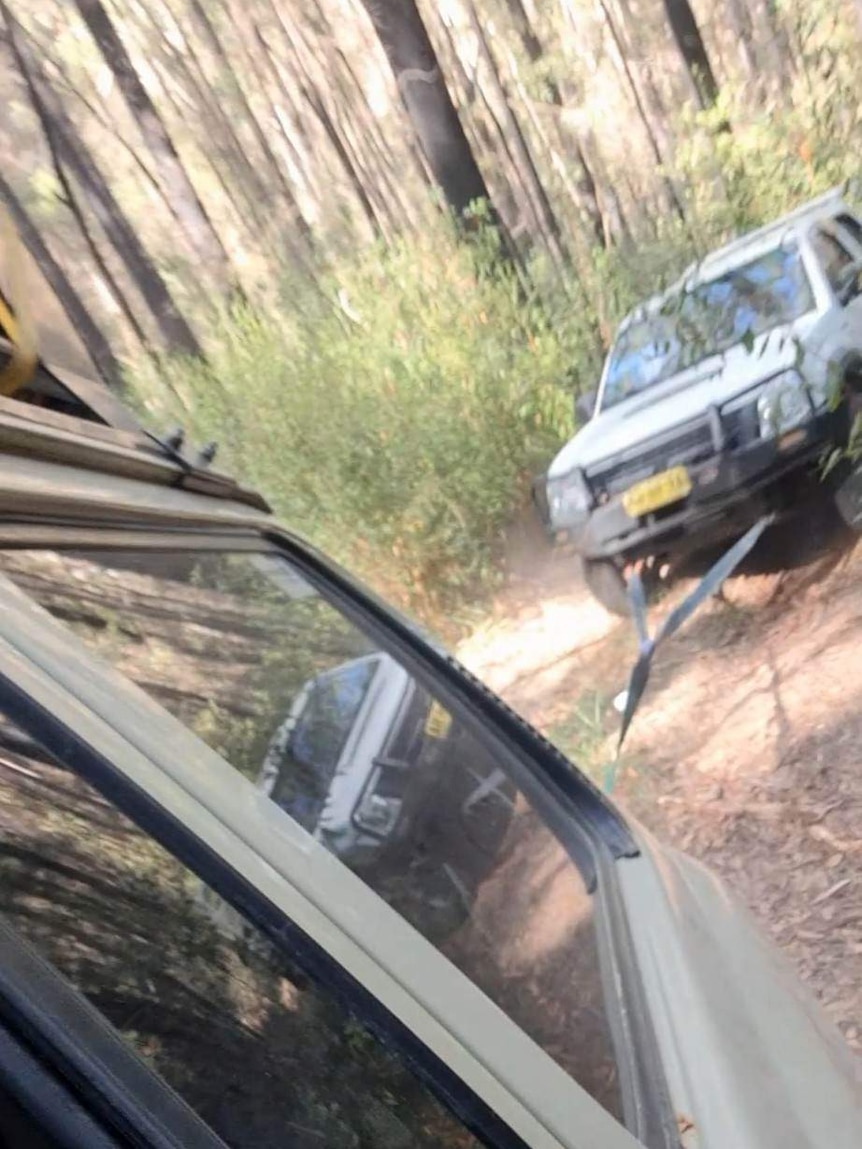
(814, 531)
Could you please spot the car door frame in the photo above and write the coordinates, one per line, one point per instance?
(72, 1071)
(430, 1011)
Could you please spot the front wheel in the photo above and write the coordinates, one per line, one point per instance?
(607, 584)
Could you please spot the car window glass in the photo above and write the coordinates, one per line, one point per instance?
(358, 752)
(260, 1052)
(711, 318)
(852, 226)
(832, 256)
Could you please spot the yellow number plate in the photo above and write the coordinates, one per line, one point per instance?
(658, 491)
(438, 721)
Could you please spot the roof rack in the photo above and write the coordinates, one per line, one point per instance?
(52, 412)
(60, 416)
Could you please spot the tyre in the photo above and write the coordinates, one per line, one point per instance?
(606, 583)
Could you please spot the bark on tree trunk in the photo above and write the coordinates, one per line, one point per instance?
(581, 184)
(238, 178)
(692, 49)
(182, 198)
(435, 120)
(380, 154)
(669, 192)
(90, 334)
(466, 92)
(61, 132)
(59, 129)
(297, 219)
(120, 298)
(532, 45)
(545, 215)
(739, 18)
(314, 101)
(309, 91)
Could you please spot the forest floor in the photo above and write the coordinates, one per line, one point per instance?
(747, 748)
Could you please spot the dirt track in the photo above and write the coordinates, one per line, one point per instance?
(747, 749)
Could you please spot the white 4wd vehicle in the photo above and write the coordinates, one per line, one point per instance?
(367, 762)
(717, 397)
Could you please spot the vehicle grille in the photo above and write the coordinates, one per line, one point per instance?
(687, 445)
(690, 444)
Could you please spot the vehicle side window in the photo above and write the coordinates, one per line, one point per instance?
(832, 255)
(356, 750)
(261, 1053)
(852, 226)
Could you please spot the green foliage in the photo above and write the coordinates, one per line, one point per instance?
(395, 412)
(807, 142)
(395, 408)
(584, 735)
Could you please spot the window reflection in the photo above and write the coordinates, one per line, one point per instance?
(354, 748)
(833, 257)
(707, 320)
(266, 1058)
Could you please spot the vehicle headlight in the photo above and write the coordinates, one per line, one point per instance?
(568, 497)
(378, 815)
(783, 404)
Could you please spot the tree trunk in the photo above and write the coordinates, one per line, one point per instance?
(532, 45)
(314, 101)
(582, 186)
(63, 137)
(739, 19)
(466, 92)
(379, 153)
(89, 333)
(60, 73)
(238, 178)
(286, 112)
(70, 200)
(773, 31)
(669, 192)
(411, 56)
(209, 33)
(545, 215)
(309, 91)
(181, 196)
(691, 47)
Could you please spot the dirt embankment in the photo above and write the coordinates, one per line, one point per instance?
(747, 749)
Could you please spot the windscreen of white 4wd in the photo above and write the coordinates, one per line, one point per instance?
(352, 747)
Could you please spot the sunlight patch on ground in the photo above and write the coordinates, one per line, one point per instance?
(534, 639)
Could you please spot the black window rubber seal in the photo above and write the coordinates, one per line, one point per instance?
(468, 697)
(68, 1037)
(315, 962)
(45, 1101)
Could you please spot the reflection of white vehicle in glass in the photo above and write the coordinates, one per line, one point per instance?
(365, 760)
(340, 762)
(714, 401)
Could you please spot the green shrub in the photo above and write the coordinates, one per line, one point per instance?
(395, 409)
(394, 413)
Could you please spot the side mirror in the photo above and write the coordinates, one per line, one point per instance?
(585, 406)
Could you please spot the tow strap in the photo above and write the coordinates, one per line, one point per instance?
(709, 585)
